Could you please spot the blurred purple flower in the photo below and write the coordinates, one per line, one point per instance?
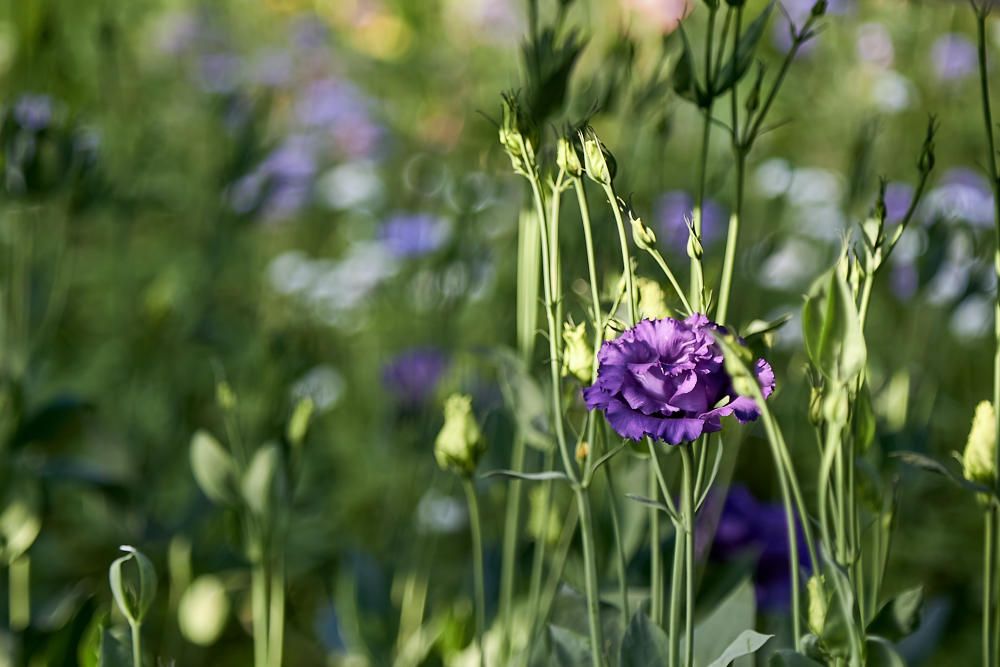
(412, 376)
(953, 57)
(413, 235)
(674, 210)
(748, 526)
(33, 111)
(798, 12)
(178, 33)
(898, 197)
(219, 73)
(904, 280)
(665, 379)
(342, 110)
(273, 68)
(281, 184)
(962, 194)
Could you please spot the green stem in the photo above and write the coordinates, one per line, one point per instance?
(655, 552)
(590, 568)
(508, 568)
(619, 547)
(732, 239)
(258, 594)
(538, 559)
(697, 274)
(276, 621)
(477, 564)
(988, 587)
(677, 568)
(626, 260)
(687, 489)
(136, 644)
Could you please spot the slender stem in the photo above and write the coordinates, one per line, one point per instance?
(697, 275)
(258, 594)
(988, 587)
(477, 564)
(19, 593)
(276, 621)
(732, 239)
(658, 258)
(619, 547)
(508, 568)
(687, 487)
(626, 260)
(677, 576)
(590, 568)
(558, 565)
(655, 552)
(136, 644)
(538, 559)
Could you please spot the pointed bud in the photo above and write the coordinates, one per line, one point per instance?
(644, 237)
(818, 605)
(578, 355)
(819, 9)
(598, 161)
(979, 458)
(459, 444)
(567, 159)
(694, 248)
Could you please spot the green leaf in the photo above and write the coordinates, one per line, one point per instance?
(644, 643)
(715, 634)
(213, 469)
(786, 657)
(900, 616)
(569, 649)
(133, 595)
(879, 652)
(748, 643)
(832, 329)
(685, 80)
(261, 482)
(935, 466)
(298, 424)
(21, 518)
(739, 62)
(655, 504)
(550, 475)
(524, 399)
(762, 327)
(863, 424)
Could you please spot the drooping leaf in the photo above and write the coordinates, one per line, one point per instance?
(644, 643)
(747, 643)
(935, 466)
(550, 475)
(685, 80)
(213, 469)
(900, 616)
(832, 329)
(879, 652)
(739, 62)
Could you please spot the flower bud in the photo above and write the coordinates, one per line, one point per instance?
(578, 355)
(567, 159)
(818, 605)
(512, 137)
(979, 458)
(582, 451)
(598, 161)
(836, 406)
(459, 444)
(819, 9)
(644, 237)
(816, 406)
(225, 396)
(652, 300)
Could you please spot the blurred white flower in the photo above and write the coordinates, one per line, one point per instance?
(973, 318)
(350, 185)
(773, 177)
(892, 92)
(812, 185)
(791, 267)
(323, 384)
(437, 513)
(874, 44)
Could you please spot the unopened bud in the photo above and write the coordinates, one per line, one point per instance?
(643, 236)
(567, 159)
(596, 158)
(582, 451)
(578, 355)
(694, 248)
(225, 396)
(818, 605)
(459, 444)
(979, 458)
(819, 9)
(816, 406)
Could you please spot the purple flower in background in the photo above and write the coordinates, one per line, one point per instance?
(953, 57)
(904, 280)
(273, 68)
(33, 111)
(898, 197)
(798, 12)
(963, 194)
(664, 379)
(748, 526)
(282, 183)
(413, 375)
(309, 33)
(340, 109)
(675, 209)
(219, 72)
(413, 235)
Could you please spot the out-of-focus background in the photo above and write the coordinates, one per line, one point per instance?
(297, 198)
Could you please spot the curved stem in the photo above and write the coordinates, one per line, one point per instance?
(626, 259)
(477, 564)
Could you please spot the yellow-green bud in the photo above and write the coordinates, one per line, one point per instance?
(979, 459)
(836, 406)
(652, 300)
(595, 159)
(567, 159)
(459, 445)
(578, 355)
(694, 248)
(225, 396)
(818, 604)
(643, 236)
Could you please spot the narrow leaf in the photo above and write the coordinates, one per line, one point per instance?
(527, 476)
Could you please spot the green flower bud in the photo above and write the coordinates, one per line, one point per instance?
(818, 605)
(459, 444)
(578, 355)
(643, 236)
(836, 406)
(694, 248)
(979, 458)
(819, 8)
(652, 300)
(512, 137)
(567, 159)
(598, 161)
(816, 406)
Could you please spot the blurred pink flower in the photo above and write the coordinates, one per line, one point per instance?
(666, 14)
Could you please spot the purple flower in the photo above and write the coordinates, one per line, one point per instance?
(341, 110)
(674, 210)
(963, 194)
(798, 11)
(954, 57)
(412, 376)
(748, 526)
(413, 235)
(219, 72)
(33, 112)
(898, 197)
(665, 379)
